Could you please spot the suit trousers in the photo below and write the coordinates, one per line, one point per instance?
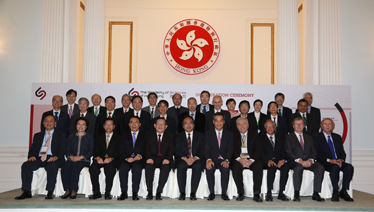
(109, 170)
(136, 170)
(70, 172)
(197, 168)
(334, 170)
(298, 170)
(225, 173)
(237, 173)
(150, 174)
(283, 176)
(51, 168)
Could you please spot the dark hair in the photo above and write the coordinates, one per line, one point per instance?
(133, 97)
(302, 100)
(152, 93)
(272, 102)
(71, 91)
(258, 100)
(279, 94)
(163, 101)
(135, 117)
(244, 102)
(190, 117)
(176, 94)
(50, 115)
(158, 118)
(84, 119)
(110, 97)
(230, 100)
(219, 114)
(109, 119)
(204, 91)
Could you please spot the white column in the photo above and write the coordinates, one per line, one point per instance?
(93, 49)
(329, 57)
(52, 45)
(288, 42)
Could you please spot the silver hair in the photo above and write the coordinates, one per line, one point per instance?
(84, 99)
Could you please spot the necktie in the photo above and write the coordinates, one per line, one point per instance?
(178, 110)
(272, 142)
(152, 115)
(331, 147)
(189, 145)
(137, 114)
(125, 110)
(243, 140)
(110, 115)
(82, 115)
(275, 122)
(70, 111)
(133, 143)
(304, 118)
(44, 155)
(193, 116)
(204, 109)
(107, 141)
(96, 111)
(301, 141)
(279, 112)
(219, 143)
(159, 145)
(56, 116)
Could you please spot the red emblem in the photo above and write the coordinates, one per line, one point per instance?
(191, 46)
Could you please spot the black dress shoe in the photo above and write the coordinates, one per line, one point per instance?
(108, 196)
(149, 196)
(158, 196)
(317, 197)
(335, 196)
(24, 195)
(73, 196)
(269, 197)
(211, 197)
(182, 196)
(240, 197)
(193, 196)
(344, 195)
(296, 197)
(123, 196)
(135, 196)
(225, 197)
(65, 196)
(49, 195)
(257, 198)
(95, 195)
(283, 197)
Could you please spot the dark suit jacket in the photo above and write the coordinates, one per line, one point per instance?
(251, 121)
(262, 119)
(91, 125)
(294, 150)
(61, 125)
(253, 146)
(282, 127)
(286, 112)
(145, 120)
(311, 123)
(209, 120)
(323, 149)
(268, 152)
(66, 110)
(99, 129)
(211, 108)
(120, 110)
(57, 148)
(171, 122)
(173, 112)
(181, 146)
(211, 149)
(316, 112)
(126, 145)
(167, 146)
(100, 149)
(91, 110)
(199, 121)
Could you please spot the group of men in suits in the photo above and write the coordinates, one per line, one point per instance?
(198, 137)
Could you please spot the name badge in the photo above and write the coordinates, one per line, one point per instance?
(244, 150)
(44, 150)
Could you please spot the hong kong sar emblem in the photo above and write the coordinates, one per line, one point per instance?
(191, 46)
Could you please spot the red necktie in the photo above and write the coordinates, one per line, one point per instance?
(301, 141)
(82, 115)
(275, 122)
(125, 110)
(137, 114)
(219, 143)
(189, 145)
(159, 145)
(110, 115)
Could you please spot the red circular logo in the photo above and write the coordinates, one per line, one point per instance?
(191, 46)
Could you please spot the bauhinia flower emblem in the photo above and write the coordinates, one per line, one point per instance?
(192, 49)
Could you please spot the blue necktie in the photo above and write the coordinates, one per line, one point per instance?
(331, 147)
(204, 110)
(279, 112)
(56, 116)
(133, 143)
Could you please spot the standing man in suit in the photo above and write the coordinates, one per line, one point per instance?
(310, 121)
(62, 118)
(126, 101)
(145, 117)
(131, 157)
(316, 112)
(246, 156)
(83, 106)
(273, 157)
(302, 155)
(204, 106)
(110, 104)
(177, 109)
(152, 107)
(96, 108)
(162, 107)
(47, 150)
(217, 103)
(282, 111)
(199, 118)
(105, 154)
(189, 153)
(159, 149)
(218, 151)
(281, 125)
(71, 107)
(260, 117)
(331, 154)
(244, 107)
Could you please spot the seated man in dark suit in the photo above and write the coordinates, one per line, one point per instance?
(189, 153)
(198, 117)
(302, 155)
(83, 106)
(273, 157)
(71, 107)
(105, 154)
(217, 103)
(204, 106)
(177, 109)
(316, 112)
(152, 107)
(159, 149)
(246, 156)
(281, 125)
(331, 154)
(62, 118)
(96, 108)
(310, 121)
(284, 112)
(47, 150)
(162, 107)
(131, 157)
(126, 101)
(145, 117)
(244, 107)
(110, 104)
(260, 117)
(218, 150)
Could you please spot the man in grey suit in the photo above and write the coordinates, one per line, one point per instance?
(83, 104)
(152, 107)
(71, 107)
(302, 155)
(176, 110)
